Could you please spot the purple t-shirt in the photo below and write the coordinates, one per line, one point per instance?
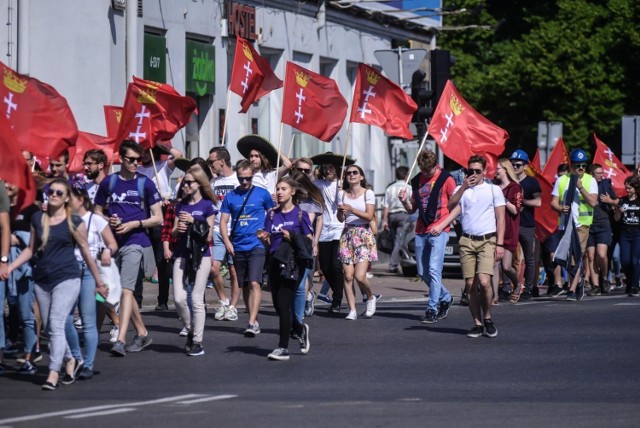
(125, 202)
(200, 211)
(292, 221)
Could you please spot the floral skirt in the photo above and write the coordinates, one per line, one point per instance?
(357, 245)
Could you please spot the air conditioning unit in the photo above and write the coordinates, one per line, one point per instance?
(119, 4)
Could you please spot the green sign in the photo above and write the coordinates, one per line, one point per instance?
(200, 68)
(155, 56)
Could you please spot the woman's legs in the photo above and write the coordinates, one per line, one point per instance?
(87, 304)
(349, 272)
(180, 293)
(197, 299)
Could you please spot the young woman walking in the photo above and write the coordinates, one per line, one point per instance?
(628, 214)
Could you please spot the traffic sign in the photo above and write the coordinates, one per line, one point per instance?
(394, 60)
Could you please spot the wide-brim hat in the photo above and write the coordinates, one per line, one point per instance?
(164, 148)
(182, 164)
(259, 143)
(332, 159)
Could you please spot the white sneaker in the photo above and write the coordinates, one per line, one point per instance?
(231, 314)
(222, 309)
(353, 315)
(371, 307)
(115, 331)
(184, 332)
(369, 275)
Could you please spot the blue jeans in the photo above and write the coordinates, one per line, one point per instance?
(630, 255)
(430, 255)
(26, 297)
(87, 306)
(300, 299)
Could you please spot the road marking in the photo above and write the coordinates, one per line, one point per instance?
(97, 408)
(104, 413)
(205, 399)
(627, 304)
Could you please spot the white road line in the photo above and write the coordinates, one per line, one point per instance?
(627, 304)
(104, 413)
(204, 399)
(96, 408)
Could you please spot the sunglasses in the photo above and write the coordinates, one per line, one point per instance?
(58, 193)
(188, 182)
(353, 172)
(132, 159)
(471, 172)
(517, 165)
(580, 165)
(305, 170)
(243, 179)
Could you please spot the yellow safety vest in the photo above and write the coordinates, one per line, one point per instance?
(585, 211)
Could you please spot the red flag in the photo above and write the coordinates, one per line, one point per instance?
(14, 168)
(153, 112)
(462, 132)
(559, 155)
(535, 163)
(87, 141)
(252, 76)
(380, 102)
(612, 168)
(312, 103)
(112, 118)
(38, 115)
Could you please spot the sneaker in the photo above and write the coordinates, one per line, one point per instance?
(252, 330)
(184, 332)
(526, 295)
(139, 343)
(369, 275)
(219, 315)
(595, 291)
(619, 283)
(305, 345)
(67, 379)
(85, 374)
(118, 350)
(113, 335)
(353, 315)
(371, 307)
(377, 296)
(162, 307)
(476, 331)
(210, 285)
(279, 354)
(490, 329)
(48, 386)
(633, 292)
(606, 287)
(196, 350)
(535, 292)
(36, 357)
(324, 298)
(571, 297)
(557, 291)
(77, 368)
(77, 323)
(27, 368)
(580, 289)
(189, 345)
(443, 311)
(334, 308)
(309, 304)
(430, 317)
(10, 348)
(231, 314)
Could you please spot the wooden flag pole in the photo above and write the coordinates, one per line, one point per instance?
(155, 173)
(278, 154)
(422, 143)
(226, 117)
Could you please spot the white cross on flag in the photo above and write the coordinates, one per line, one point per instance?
(612, 168)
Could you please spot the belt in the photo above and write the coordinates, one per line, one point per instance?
(479, 237)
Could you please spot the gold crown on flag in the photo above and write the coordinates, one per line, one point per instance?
(247, 52)
(456, 105)
(372, 77)
(302, 79)
(118, 115)
(611, 163)
(147, 96)
(13, 82)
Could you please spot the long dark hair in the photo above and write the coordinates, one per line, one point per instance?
(306, 186)
(363, 182)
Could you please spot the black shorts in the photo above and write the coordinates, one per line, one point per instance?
(249, 266)
(599, 235)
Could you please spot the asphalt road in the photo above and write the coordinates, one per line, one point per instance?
(554, 363)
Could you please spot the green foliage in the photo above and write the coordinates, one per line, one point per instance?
(574, 61)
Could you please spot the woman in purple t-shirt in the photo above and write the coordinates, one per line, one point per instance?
(197, 205)
(279, 225)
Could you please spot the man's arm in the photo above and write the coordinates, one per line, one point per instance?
(534, 202)
(224, 232)
(175, 153)
(156, 217)
(589, 198)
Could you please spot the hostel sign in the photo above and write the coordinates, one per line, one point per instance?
(242, 20)
(200, 68)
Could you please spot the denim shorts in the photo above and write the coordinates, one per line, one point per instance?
(219, 251)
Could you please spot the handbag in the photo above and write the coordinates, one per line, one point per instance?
(110, 274)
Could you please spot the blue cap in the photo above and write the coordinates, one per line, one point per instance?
(519, 155)
(579, 155)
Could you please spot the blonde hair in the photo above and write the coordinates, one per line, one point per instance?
(46, 227)
(511, 173)
(201, 177)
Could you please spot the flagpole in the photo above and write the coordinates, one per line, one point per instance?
(422, 143)
(155, 173)
(226, 116)
(344, 156)
(279, 150)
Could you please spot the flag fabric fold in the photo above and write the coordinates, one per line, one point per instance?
(112, 118)
(251, 75)
(612, 168)
(462, 132)
(14, 168)
(39, 116)
(153, 112)
(380, 102)
(87, 141)
(312, 103)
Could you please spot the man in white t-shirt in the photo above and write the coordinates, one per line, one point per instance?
(226, 180)
(482, 209)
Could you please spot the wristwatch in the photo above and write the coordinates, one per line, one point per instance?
(4, 259)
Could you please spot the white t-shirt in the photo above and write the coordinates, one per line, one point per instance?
(575, 205)
(266, 180)
(331, 226)
(92, 189)
(391, 200)
(164, 176)
(360, 204)
(478, 203)
(221, 186)
(94, 234)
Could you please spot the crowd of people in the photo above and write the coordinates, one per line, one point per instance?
(272, 223)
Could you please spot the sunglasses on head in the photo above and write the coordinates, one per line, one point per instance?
(132, 159)
(473, 171)
(58, 193)
(353, 172)
(242, 179)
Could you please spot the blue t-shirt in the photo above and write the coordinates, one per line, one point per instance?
(125, 202)
(292, 221)
(200, 211)
(245, 238)
(56, 262)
